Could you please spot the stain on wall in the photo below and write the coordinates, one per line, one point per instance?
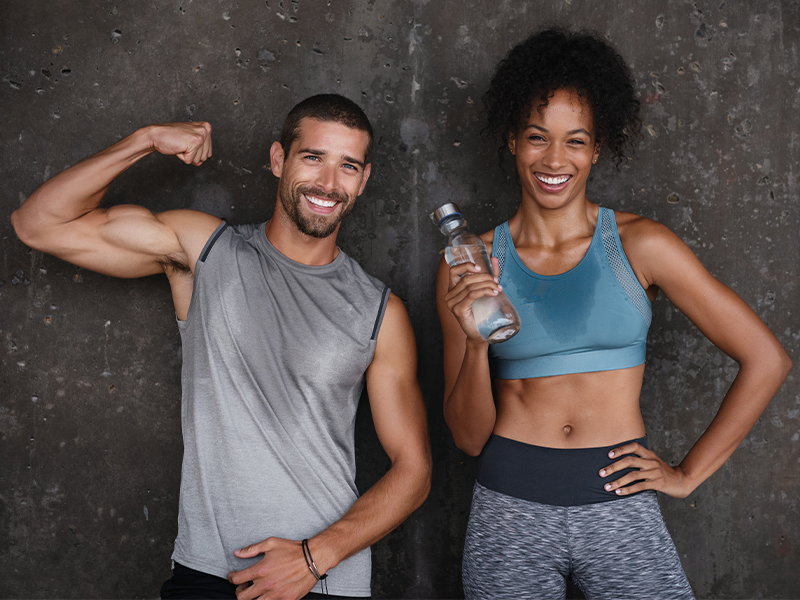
(89, 368)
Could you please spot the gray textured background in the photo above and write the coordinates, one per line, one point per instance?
(89, 393)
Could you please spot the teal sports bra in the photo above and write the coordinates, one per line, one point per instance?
(594, 317)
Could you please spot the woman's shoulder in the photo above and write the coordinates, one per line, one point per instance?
(635, 228)
(488, 237)
(646, 239)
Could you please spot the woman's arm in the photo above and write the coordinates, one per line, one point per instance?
(469, 408)
(661, 259)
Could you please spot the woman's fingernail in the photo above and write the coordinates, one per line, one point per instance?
(619, 492)
(603, 473)
(607, 487)
(611, 454)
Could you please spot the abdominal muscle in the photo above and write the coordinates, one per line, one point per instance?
(581, 410)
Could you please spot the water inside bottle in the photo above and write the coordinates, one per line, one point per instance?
(494, 316)
(496, 326)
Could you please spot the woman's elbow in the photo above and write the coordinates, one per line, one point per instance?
(467, 440)
(774, 364)
(472, 450)
(469, 445)
(779, 360)
(785, 364)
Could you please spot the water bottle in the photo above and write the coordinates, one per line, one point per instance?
(495, 316)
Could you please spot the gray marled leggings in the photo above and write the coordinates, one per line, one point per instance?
(521, 549)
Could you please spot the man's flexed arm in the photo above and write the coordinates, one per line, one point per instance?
(63, 217)
(398, 412)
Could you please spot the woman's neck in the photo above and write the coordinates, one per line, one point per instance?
(534, 224)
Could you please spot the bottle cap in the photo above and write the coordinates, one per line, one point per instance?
(444, 211)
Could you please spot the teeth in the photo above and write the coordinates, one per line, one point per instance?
(552, 180)
(320, 202)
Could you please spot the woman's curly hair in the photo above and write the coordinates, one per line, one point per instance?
(555, 59)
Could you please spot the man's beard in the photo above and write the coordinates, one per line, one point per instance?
(318, 226)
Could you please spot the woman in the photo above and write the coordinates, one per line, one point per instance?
(566, 484)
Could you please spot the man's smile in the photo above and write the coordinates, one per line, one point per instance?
(321, 202)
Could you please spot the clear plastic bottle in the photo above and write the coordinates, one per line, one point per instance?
(495, 316)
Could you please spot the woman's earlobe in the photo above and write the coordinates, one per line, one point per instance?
(512, 144)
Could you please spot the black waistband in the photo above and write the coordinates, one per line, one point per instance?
(557, 476)
(189, 583)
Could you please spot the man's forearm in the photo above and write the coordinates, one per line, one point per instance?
(79, 189)
(377, 512)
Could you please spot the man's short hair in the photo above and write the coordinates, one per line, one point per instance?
(328, 108)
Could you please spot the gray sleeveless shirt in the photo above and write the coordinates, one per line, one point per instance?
(274, 355)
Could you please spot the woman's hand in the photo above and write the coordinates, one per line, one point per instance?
(653, 473)
(467, 283)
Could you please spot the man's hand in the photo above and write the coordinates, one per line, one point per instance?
(282, 573)
(190, 142)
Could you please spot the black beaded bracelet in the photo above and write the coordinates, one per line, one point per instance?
(313, 567)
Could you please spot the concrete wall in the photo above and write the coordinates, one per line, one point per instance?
(89, 395)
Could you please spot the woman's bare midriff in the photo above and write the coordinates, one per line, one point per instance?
(582, 410)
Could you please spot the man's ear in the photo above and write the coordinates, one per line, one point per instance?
(367, 171)
(276, 159)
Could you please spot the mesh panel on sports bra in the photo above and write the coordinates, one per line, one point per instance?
(624, 276)
(500, 247)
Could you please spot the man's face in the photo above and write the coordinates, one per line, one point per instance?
(320, 175)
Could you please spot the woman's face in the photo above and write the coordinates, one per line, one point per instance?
(555, 151)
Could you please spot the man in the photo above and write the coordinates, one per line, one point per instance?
(280, 330)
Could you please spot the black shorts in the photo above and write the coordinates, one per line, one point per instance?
(188, 583)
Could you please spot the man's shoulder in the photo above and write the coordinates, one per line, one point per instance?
(246, 230)
(360, 274)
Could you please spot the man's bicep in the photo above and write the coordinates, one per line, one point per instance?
(122, 241)
(130, 241)
(398, 410)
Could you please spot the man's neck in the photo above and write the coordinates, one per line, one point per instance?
(299, 247)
